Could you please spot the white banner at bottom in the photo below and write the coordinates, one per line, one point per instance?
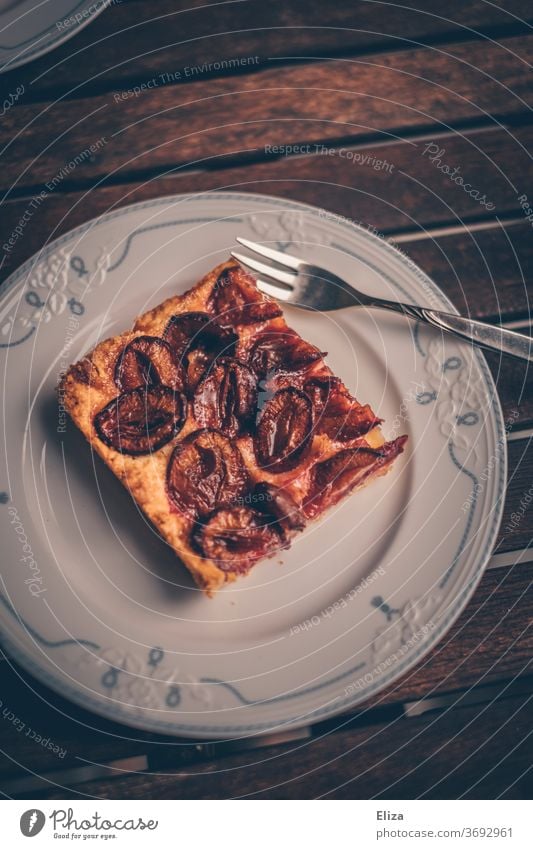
(265, 824)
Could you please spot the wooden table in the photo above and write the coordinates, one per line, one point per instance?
(175, 97)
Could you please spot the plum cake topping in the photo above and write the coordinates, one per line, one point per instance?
(206, 470)
(141, 420)
(226, 397)
(196, 339)
(236, 537)
(281, 350)
(148, 360)
(284, 430)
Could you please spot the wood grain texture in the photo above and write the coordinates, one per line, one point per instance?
(311, 103)
(462, 753)
(396, 185)
(137, 41)
(490, 642)
(517, 524)
(485, 272)
(514, 382)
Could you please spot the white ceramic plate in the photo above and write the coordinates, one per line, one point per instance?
(101, 611)
(29, 29)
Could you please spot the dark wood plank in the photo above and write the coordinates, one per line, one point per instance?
(486, 273)
(514, 381)
(489, 643)
(471, 752)
(133, 42)
(517, 524)
(214, 118)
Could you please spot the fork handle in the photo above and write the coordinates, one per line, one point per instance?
(485, 335)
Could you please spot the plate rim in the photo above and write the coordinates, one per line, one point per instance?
(52, 43)
(107, 708)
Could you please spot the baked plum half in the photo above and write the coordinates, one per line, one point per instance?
(148, 360)
(205, 471)
(284, 430)
(235, 537)
(331, 479)
(277, 504)
(281, 350)
(196, 339)
(141, 420)
(226, 397)
(337, 414)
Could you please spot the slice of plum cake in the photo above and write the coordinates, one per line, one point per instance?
(228, 429)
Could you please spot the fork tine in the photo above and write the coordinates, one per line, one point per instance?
(274, 291)
(266, 270)
(269, 253)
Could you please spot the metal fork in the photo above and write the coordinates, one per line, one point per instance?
(314, 288)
